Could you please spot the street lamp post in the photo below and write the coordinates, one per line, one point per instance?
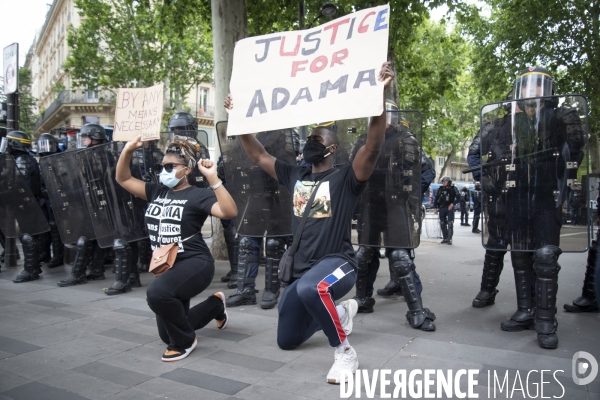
(327, 10)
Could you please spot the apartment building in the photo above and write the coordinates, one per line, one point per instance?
(62, 104)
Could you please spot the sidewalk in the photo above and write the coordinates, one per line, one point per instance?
(77, 343)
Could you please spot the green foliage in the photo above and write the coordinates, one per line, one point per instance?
(564, 38)
(130, 43)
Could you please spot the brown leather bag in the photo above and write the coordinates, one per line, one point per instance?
(163, 258)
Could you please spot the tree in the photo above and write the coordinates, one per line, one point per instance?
(517, 34)
(229, 25)
(135, 43)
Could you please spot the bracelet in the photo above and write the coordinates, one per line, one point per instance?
(216, 186)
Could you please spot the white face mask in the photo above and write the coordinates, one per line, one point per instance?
(169, 179)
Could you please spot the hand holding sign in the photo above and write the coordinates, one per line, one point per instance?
(386, 74)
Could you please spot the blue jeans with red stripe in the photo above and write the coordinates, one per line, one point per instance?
(308, 303)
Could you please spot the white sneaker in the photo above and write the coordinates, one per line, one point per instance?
(351, 307)
(348, 360)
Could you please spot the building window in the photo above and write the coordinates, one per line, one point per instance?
(90, 119)
(91, 96)
(440, 164)
(202, 101)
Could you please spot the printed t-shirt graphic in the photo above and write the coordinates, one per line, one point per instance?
(321, 206)
(169, 212)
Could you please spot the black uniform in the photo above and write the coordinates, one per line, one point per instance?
(485, 142)
(534, 208)
(444, 198)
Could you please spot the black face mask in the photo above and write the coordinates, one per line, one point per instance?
(313, 152)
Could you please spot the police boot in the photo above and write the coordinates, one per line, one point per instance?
(450, 231)
(232, 240)
(587, 302)
(31, 254)
(492, 268)
(364, 255)
(145, 254)
(44, 241)
(523, 318)
(444, 232)
(391, 288)
(546, 268)
(11, 252)
(123, 263)
(418, 317)
(245, 294)
(58, 248)
(467, 220)
(97, 264)
(275, 249)
(84, 251)
(134, 275)
(476, 225)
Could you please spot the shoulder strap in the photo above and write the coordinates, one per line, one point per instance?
(298, 232)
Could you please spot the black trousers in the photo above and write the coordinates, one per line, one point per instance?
(169, 297)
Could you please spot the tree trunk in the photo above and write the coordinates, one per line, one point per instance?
(229, 24)
(449, 158)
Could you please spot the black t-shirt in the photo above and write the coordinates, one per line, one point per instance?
(327, 230)
(178, 217)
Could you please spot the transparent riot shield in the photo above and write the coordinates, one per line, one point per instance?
(67, 196)
(531, 190)
(115, 213)
(20, 211)
(389, 209)
(264, 206)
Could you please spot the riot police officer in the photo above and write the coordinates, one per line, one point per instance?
(47, 145)
(18, 145)
(279, 142)
(542, 143)
(445, 199)
(88, 251)
(402, 151)
(485, 142)
(464, 206)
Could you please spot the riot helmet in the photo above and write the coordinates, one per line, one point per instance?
(47, 144)
(15, 141)
(465, 189)
(91, 135)
(446, 179)
(391, 114)
(534, 82)
(477, 186)
(183, 124)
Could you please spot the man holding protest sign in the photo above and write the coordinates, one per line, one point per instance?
(324, 264)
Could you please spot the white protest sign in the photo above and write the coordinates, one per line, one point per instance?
(10, 67)
(296, 78)
(138, 112)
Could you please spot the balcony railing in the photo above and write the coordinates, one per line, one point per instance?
(75, 97)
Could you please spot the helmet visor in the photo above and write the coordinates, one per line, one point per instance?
(46, 146)
(83, 140)
(534, 84)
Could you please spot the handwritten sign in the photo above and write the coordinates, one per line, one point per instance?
(138, 112)
(302, 77)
